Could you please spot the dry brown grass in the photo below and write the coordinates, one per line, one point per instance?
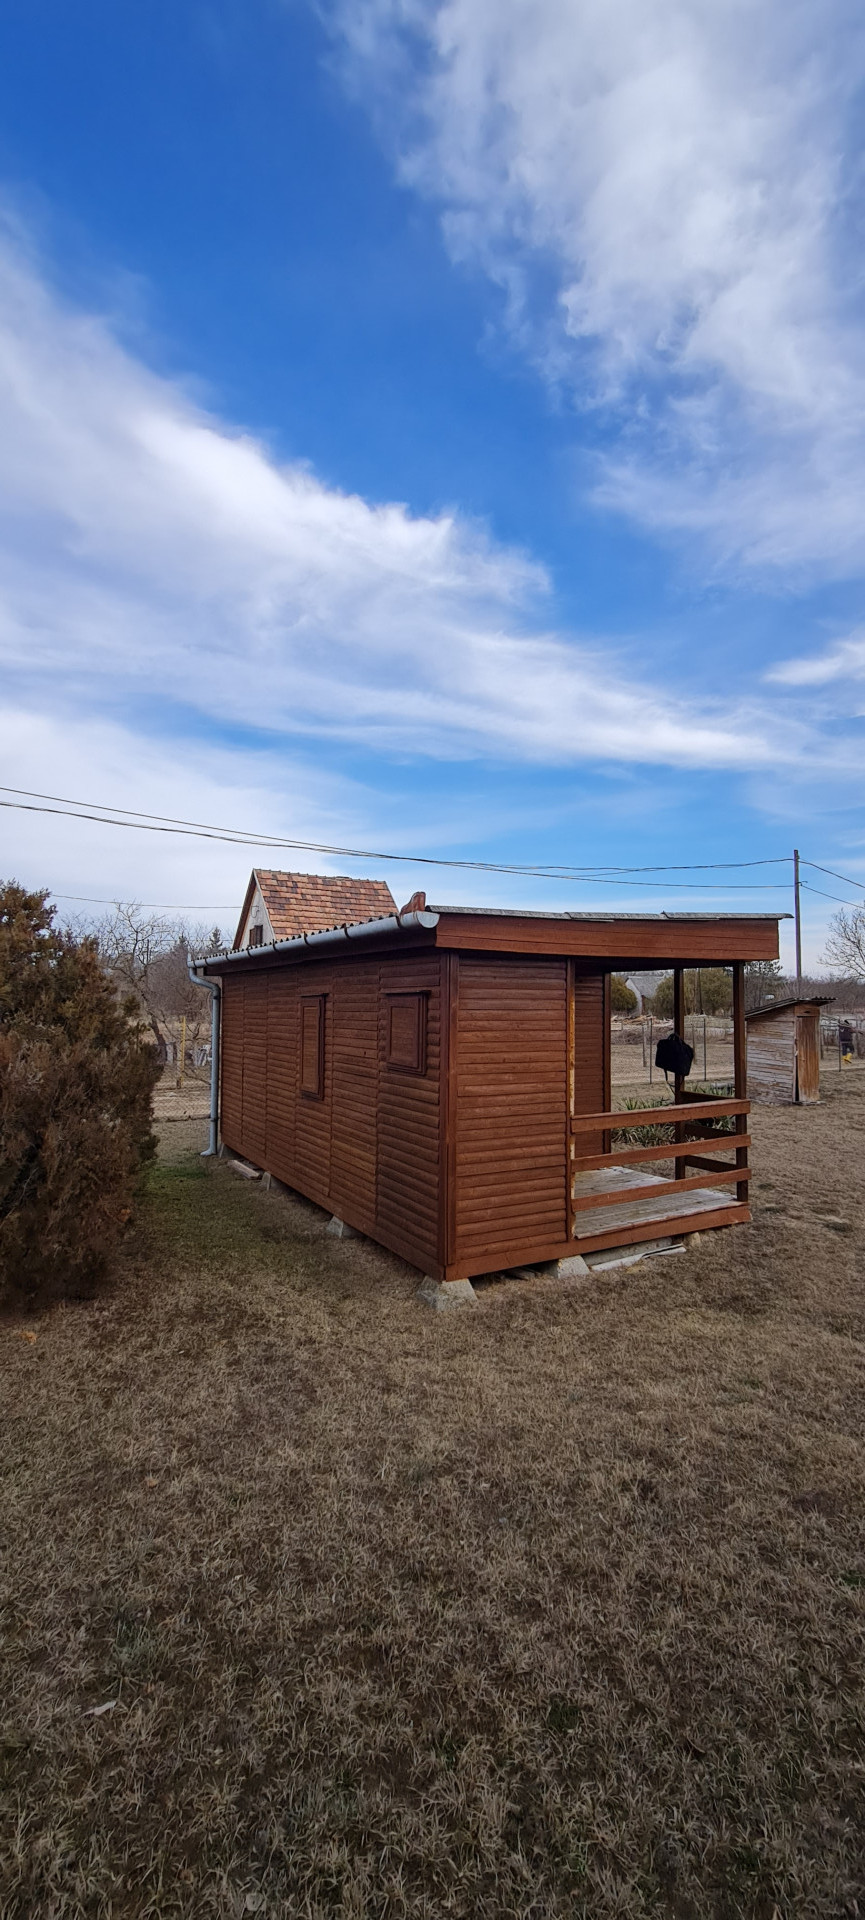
(550, 1609)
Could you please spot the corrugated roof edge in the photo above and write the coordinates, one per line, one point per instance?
(798, 1000)
(535, 913)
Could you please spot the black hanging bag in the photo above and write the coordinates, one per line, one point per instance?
(674, 1055)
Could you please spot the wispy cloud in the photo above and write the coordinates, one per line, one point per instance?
(155, 557)
(843, 660)
(670, 194)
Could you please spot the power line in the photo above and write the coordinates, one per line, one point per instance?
(164, 823)
(825, 896)
(243, 835)
(859, 884)
(153, 906)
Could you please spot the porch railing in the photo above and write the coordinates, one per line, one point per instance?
(692, 1121)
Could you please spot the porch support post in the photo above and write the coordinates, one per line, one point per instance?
(679, 1027)
(740, 1067)
(572, 1101)
(608, 1054)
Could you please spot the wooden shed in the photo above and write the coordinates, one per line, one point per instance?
(784, 1052)
(439, 1079)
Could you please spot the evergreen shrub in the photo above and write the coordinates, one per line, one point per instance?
(76, 1085)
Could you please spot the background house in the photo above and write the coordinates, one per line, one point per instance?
(645, 986)
(280, 905)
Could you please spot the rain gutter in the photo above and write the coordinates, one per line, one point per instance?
(422, 921)
(214, 988)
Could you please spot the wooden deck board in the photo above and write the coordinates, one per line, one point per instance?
(668, 1206)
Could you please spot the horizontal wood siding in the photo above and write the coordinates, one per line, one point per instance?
(282, 1071)
(370, 1148)
(510, 1106)
(231, 1064)
(623, 945)
(313, 1116)
(255, 1069)
(355, 1088)
(409, 1173)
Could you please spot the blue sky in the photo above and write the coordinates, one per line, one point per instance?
(434, 427)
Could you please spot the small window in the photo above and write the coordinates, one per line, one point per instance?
(312, 1046)
(256, 937)
(406, 1032)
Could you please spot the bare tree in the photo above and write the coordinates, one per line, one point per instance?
(147, 955)
(845, 947)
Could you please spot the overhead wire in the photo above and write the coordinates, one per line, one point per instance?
(135, 818)
(243, 835)
(859, 884)
(152, 906)
(826, 896)
(597, 876)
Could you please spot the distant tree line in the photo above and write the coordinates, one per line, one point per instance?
(146, 955)
(709, 990)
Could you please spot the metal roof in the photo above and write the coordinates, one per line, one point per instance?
(798, 1000)
(427, 918)
(534, 913)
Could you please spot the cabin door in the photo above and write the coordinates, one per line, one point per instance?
(807, 1060)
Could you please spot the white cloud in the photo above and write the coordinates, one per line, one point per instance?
(102, 764)
(669, 191)
(152, 554)
(844, 660)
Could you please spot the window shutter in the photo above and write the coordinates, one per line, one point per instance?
(406, 1032)
(312, 1046)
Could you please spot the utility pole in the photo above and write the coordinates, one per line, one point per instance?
(798, 921)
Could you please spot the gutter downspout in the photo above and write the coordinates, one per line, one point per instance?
(214, 988)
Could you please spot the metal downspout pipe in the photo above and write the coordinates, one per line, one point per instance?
(214, 988)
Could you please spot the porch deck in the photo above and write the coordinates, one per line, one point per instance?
(698, 1130)
(668, 1208)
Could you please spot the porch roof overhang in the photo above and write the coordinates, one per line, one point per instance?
(620, 941)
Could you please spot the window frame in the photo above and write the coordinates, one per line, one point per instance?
(402, 998)
(317, 1003)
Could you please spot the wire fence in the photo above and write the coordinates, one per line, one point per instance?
(634, 1044)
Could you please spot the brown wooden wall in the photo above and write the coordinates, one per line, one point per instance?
(461, 1167)
(410, 1178)
(509, 1099)
(370, 1149)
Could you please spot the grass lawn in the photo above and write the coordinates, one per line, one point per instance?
(553, 1608)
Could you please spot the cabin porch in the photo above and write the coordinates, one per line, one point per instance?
(698, 1144)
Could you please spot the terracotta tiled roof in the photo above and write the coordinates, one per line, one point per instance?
(308, 902)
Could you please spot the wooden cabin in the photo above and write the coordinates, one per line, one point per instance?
(784, 1052)
(439, 1079)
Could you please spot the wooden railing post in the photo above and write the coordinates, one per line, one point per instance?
(608, 1052)
(570, 1149)
(679, 1027)
(740, 1066)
